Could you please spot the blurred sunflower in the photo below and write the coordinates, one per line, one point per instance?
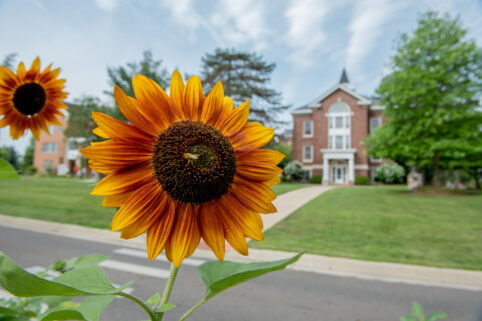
(188, 167)
(30, 99)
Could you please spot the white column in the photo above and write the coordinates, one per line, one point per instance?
(351, 170)
(326, 171)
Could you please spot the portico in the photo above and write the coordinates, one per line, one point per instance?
(338, 166)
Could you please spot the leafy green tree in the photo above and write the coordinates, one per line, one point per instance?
(81, 123)
(244, 76)
(430, 97)
(122, 76)
(287, 150)
(27, 159)
(10, 155)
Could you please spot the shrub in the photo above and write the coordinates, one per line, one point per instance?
(31, 170)
(362, 180)
(315, 179)
(293, 171)
(390, 173)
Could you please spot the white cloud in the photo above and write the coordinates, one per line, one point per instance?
(306, 35)
(106, 5)
(240, 22)
(370, 16)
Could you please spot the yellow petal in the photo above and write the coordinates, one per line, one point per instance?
(232, 231)
(193, 98)
(182, 233)
(120, 182)
(272, 157)
(213, 104)
(253, 136)
(176, 93)
(236, 120)
(153, 102)
(115, 200)
(111, 152)
(242, 216)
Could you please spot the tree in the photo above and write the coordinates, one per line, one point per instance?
(27, 160)
(244, 76)
(430, 97)
(81, 123)
(122, 76)
(9, 60)
(10, 155)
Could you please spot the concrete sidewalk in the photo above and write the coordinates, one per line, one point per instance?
(389, 272)
(289, 202)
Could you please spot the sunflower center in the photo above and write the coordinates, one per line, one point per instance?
(29, 98)
(194, 162)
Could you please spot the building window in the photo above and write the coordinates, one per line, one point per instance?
(51, 129)
(49, 148)
(375, 122)
(308, 128)
(72, 146)
(338, 142)
(308, 153)
(339, 124)
(306, 175)
(48, 166)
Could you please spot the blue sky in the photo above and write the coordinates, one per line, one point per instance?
(309, 40)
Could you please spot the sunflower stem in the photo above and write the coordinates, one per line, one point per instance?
(168, 288)
(191, 310)
(151, 314)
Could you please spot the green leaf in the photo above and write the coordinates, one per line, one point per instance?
(437, 316)
(53, 301)
(219, 276)
(89, 309)
(78, 282)
(408, 318)
(8, 311)
(417, 310)
(78, 262)
(7, 171)
(154, 300)
(165, 307)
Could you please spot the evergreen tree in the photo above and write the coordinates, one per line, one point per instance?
(244, 76)
(9, 60)
(431, 97)
(122, 76)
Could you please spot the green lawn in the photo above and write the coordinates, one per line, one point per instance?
(282, 188)
(65, 200)
(386, 224)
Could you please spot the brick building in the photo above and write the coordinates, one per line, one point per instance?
(55, 153)
(328, 131)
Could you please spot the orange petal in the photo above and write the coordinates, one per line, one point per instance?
(176, 92)
(193, 98)
(115, 200)
(254, 195)
(253, 136)
(129, 108)
(258, 172)
(212, 230)
(21, 72)
(159, 232)
(123, 181)
(236, 120)
(213, 104)
(114, 128)
(182, 234)
(261, 155)
(34, 69)
(142, 204)
(232, 231)
(242, 216)
(112, 152)
(154, 102)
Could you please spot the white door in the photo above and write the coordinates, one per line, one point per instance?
(339, 174)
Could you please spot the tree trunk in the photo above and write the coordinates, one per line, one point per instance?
(476, 177)
(436, 170)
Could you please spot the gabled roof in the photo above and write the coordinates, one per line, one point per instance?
(346, 87)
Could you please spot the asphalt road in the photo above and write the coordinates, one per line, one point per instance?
(285, 295)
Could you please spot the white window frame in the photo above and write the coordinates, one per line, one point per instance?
(305, 127)
(305, 159)
(343, 130)
(50, 148)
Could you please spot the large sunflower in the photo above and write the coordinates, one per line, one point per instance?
(30, 99)
(188, 167)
